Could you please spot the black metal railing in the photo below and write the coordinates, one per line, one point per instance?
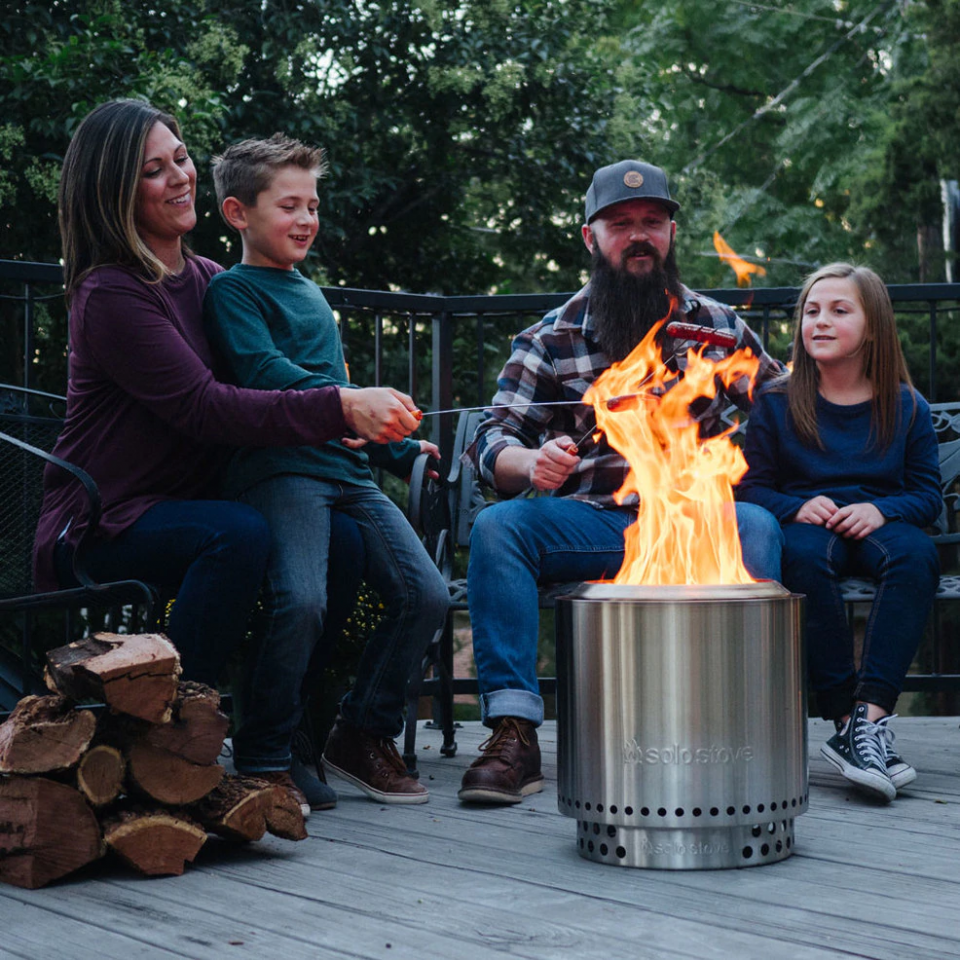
(447, 350)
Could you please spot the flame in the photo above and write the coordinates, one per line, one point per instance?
(740, 266)
(686, 527)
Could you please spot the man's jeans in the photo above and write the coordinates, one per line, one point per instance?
(516, 544)
(210, 554)
(411, 589)
(903, 559)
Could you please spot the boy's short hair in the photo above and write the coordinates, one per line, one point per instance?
(245, 169)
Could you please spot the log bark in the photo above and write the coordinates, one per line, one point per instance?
(235, 809)
(47, 830)
(100, 774)
(155, 842)
(44, 734)
(244, 808)
(168, 778)
(137, 675)
(197, 728)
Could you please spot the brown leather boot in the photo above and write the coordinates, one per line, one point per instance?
(372, 764)
(509, 768)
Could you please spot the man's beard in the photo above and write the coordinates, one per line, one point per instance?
(624, 306)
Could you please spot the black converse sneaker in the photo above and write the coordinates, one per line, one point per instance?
(898, 770)
(859, 752)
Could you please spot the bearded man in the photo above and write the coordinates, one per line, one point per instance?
(576, 532)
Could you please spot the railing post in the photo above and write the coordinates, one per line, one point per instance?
(933, 351)
(442, 376)
(28, 340)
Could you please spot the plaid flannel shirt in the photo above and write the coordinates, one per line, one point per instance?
(559, 357)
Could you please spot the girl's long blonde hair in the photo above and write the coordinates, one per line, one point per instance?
(98, 191)
(883, 360)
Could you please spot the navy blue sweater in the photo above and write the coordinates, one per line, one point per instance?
(902, 481)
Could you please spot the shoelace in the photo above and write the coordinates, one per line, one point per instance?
(872, 741)
(888, 735)
(494, 744)
(388, 749)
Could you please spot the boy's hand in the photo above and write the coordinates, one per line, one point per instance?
(381, 414)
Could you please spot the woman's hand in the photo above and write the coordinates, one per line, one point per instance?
(817, 511)
(380, 414)
(856, 521)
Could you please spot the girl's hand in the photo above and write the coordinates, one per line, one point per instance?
(817, 511)
(856, 521)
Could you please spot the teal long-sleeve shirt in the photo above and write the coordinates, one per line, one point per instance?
(274, 330)
(902, 480)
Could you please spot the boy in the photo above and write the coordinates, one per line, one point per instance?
(273, 326)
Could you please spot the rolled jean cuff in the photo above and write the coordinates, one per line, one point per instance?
(511, 703)
(882, 696)
(251, 766)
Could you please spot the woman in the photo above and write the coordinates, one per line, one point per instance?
(146, 417)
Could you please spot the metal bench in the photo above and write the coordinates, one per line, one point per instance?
(443, 513)
(29, 425)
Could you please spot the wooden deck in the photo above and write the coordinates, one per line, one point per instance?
(446, 881)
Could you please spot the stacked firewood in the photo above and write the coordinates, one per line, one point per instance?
(139, 778)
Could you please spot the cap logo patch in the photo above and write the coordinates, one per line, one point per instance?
(633, 178)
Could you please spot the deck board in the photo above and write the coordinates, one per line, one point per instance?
(447, 881)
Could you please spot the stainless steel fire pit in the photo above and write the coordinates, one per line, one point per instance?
(682, 735)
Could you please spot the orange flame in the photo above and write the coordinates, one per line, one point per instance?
(740, 266)
(686, 527)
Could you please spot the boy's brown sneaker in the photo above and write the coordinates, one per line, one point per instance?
(509, 768)
(371, 763)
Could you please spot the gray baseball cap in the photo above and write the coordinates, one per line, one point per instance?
(628, 180)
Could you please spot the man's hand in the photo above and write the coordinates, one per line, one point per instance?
(856, 521)
(817, 511)
(553, 463)
(381, 414)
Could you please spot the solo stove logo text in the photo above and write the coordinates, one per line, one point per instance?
(633, 752)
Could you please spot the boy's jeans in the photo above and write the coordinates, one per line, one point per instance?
(411, 589)
(517, 543)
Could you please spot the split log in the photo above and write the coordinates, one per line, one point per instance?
(155, 842)
(167, 778)
(47, 830)
(136, 675)
(44, 734)
(284, 816)
(100, 774)
(235, 809)
(244, 808)
(198, 725)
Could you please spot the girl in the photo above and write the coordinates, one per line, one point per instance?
(842, 451)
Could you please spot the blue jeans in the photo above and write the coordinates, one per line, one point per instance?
(903, 561)
(211, 554)
(516, 544)
(411, 590)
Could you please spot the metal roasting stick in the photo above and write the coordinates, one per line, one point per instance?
(628, 401)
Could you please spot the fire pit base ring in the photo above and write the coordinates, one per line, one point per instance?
(707, 848)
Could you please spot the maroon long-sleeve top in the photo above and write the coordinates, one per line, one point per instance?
(146, 416)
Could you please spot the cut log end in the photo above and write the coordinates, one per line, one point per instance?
(155, 842)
